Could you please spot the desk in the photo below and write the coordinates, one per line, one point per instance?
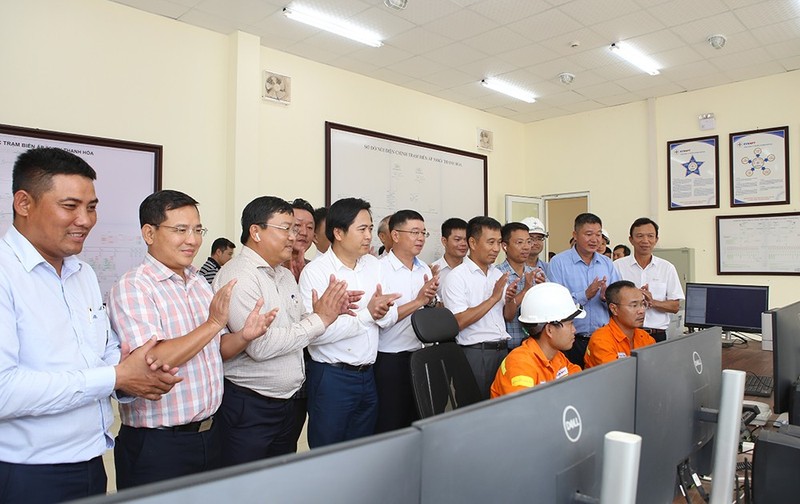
(752, 359)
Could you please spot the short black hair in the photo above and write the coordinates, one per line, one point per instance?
(221, 244)
(301, 204)
(260, 210)
(402, 216)
(319, 216)
(34, 169)
(451, 224)
(612, 291)
(342, 214)
(154, 208)
(626, 251)
(643, 221)
(505, 232)
(476, 224)
(586, 218)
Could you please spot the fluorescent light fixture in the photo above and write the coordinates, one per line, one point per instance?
(633, 56)
(508, 89)
(334, 25)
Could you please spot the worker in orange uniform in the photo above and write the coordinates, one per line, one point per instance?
(546, 314)
(615, 340)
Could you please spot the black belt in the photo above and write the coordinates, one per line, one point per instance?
(249, 392)
(583, 335)
(490, 345)
(349, 367)
(199, 426)
(654, 332)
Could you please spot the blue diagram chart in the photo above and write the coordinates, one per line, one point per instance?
(759, 161)
(124, 178)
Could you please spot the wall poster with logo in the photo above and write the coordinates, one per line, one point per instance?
(693, 173)
(760, 167)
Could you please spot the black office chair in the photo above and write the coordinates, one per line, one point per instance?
(441, 375)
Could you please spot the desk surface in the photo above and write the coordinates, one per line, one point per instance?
(752, 359)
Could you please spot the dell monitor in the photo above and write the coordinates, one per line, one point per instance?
(785, 324)
(674, 380)
(540, 445)
(731, 307)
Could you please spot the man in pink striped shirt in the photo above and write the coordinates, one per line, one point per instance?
(165, 298)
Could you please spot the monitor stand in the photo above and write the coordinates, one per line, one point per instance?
(727, 339)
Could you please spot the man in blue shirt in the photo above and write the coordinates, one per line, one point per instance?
(586, 273)
(59, 360)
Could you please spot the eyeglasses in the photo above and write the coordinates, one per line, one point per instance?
(414, 234)
(292, 230)
(537, 239)
(185, 230)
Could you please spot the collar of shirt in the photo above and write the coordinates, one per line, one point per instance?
(473, 267)
(397, 264)
(576, 258)
(620, 336)
(259, 262)
(212, 261)
(161, 272)
(339, 265)
(538, 353)
(505, 266)
(29, 257)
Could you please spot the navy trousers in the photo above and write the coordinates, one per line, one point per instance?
(342, 404)
(397, 407)
(252, 426)
(46, 483)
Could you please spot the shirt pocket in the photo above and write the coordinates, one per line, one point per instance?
(658, 290)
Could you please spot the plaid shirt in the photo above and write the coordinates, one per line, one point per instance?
(152, 300)
(514, 328)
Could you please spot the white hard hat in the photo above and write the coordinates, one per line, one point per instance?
(534, 226)
(605, 235)
(549, 302)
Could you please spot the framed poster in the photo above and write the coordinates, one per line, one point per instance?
(760, 167)
(394, 173)
(763, 244)
(127, 172)
(693, 173)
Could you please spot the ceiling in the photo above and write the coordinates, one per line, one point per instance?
(445, 47)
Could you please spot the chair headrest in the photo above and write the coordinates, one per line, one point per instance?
(434, 325)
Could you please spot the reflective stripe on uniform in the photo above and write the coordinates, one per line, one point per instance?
(522, 381)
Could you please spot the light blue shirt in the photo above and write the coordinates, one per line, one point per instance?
(57, 353)
(513, 327)
(569, 270)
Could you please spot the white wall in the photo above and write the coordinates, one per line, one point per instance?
(609, 152)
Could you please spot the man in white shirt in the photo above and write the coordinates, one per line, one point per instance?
(656, 277)
(454, 241)
(342, 399)
(476, 293)
(406, 275)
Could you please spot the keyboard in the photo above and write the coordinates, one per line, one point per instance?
(757, 385)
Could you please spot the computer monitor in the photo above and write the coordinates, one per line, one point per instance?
(384, 468)
(731, 307)
(785, 324)
(776, 458)
(674, 380)
(540, 445)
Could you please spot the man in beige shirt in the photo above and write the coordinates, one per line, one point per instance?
(256, 417)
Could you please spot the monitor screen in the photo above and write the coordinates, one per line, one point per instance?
(731, 307)
(785, 354)
(541, 445)
(674, 379)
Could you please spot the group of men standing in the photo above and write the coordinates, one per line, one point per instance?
(209, 367)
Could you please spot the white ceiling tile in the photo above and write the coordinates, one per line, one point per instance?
(530, 55)
(739, 42)
(600, 90)
(509, 11)
(656, 42)
(164, 8)
(594, 58)
(778, 32)
(790, 63)
(683, 73)
(380, 56)
(424, 12)
(563, 98)
(755, 71)
(496, 41)
(618, 71)
(586, 78)
(540, 115)
(243, 12)
(699, 30)
(449, 78)
(472, 90)
(488, 67)
(787, 49)
(545, 25)
(418, 41)
(703, 82)
(461, 25)
(422, 86)
(582, 106)
(591, 12)
(675, 12)
(767, 13)
(209, 21)
(642, 81)
(611, 101)
(551, 69)
(739, 60)
(381, 20)
(455, 55)
(663, 90)
(629, 26)
(502, 111)
(416, 66)
(279, 25)
(389, 75)
(585, 37)
(676, 57)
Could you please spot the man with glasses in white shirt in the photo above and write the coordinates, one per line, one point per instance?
(406, 275)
